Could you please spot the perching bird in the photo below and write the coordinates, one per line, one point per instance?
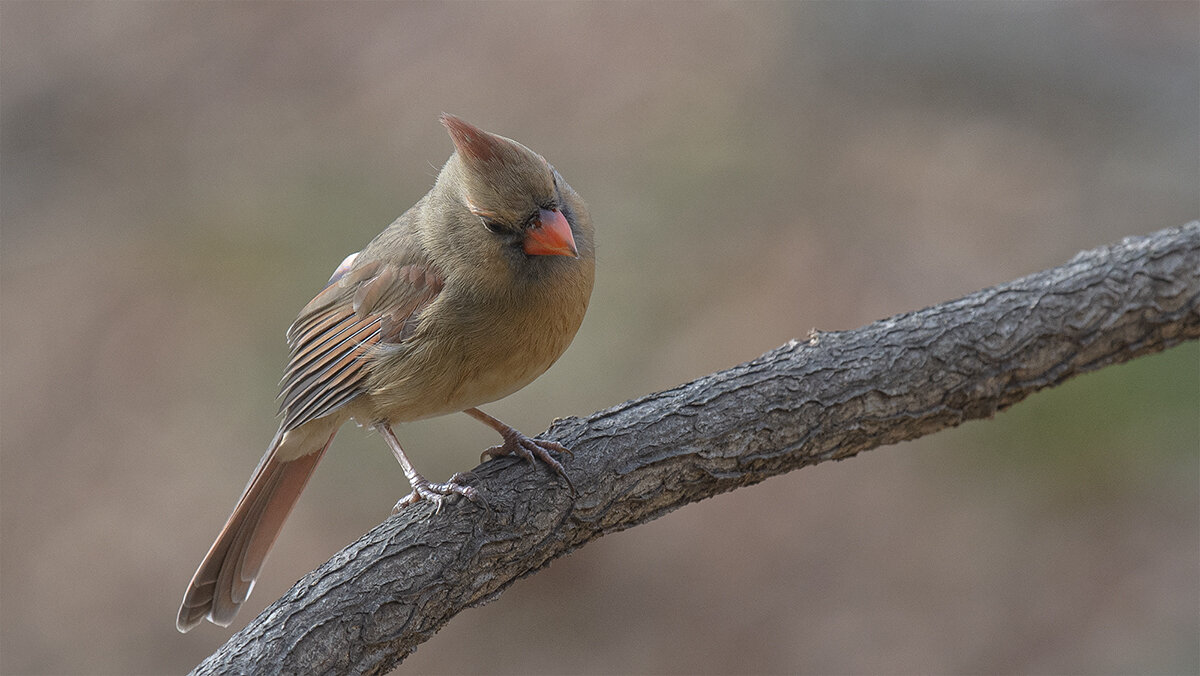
(471, 294)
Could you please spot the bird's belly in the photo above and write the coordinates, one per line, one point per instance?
(448, 390)
(444, 376)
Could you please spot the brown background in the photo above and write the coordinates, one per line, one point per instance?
(180, 178)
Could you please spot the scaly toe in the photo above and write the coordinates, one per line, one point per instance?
(516, 448)
(410, 499)
(532, 449)
(546, 445)
(438, 494)
(541, 449)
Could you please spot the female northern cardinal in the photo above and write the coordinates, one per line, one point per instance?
(470, 295)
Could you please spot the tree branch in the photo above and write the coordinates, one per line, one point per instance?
(829, 398)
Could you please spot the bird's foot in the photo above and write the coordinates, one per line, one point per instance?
(424, 489)
(516, 443)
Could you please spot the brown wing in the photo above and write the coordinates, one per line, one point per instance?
(332, 338)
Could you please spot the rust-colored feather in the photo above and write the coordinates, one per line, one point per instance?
(225, 578)
(332, 340)
(331, 376)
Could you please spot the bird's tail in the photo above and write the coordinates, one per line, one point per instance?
(226, 576)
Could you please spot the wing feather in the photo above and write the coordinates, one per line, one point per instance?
(333, 338)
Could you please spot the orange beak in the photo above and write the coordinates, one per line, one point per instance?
(550, 236)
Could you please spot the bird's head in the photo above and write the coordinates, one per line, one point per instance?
(506, 206)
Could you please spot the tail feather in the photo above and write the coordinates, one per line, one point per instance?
(226, 576)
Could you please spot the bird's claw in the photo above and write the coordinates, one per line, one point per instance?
(438, 494)
(529, 448)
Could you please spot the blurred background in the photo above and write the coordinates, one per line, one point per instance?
(180, 178)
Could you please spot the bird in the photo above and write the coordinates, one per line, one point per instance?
(467, 297)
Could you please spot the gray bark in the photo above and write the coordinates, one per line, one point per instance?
(829, 397)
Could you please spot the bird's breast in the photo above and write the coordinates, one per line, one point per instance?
(467, 352)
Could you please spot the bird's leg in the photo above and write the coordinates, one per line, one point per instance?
(516, 443)
(422, 488)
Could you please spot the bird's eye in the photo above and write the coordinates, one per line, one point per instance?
(491, 226)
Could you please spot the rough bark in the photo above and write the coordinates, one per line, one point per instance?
(829, 397)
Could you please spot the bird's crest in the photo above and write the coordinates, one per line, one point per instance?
(475, 144)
